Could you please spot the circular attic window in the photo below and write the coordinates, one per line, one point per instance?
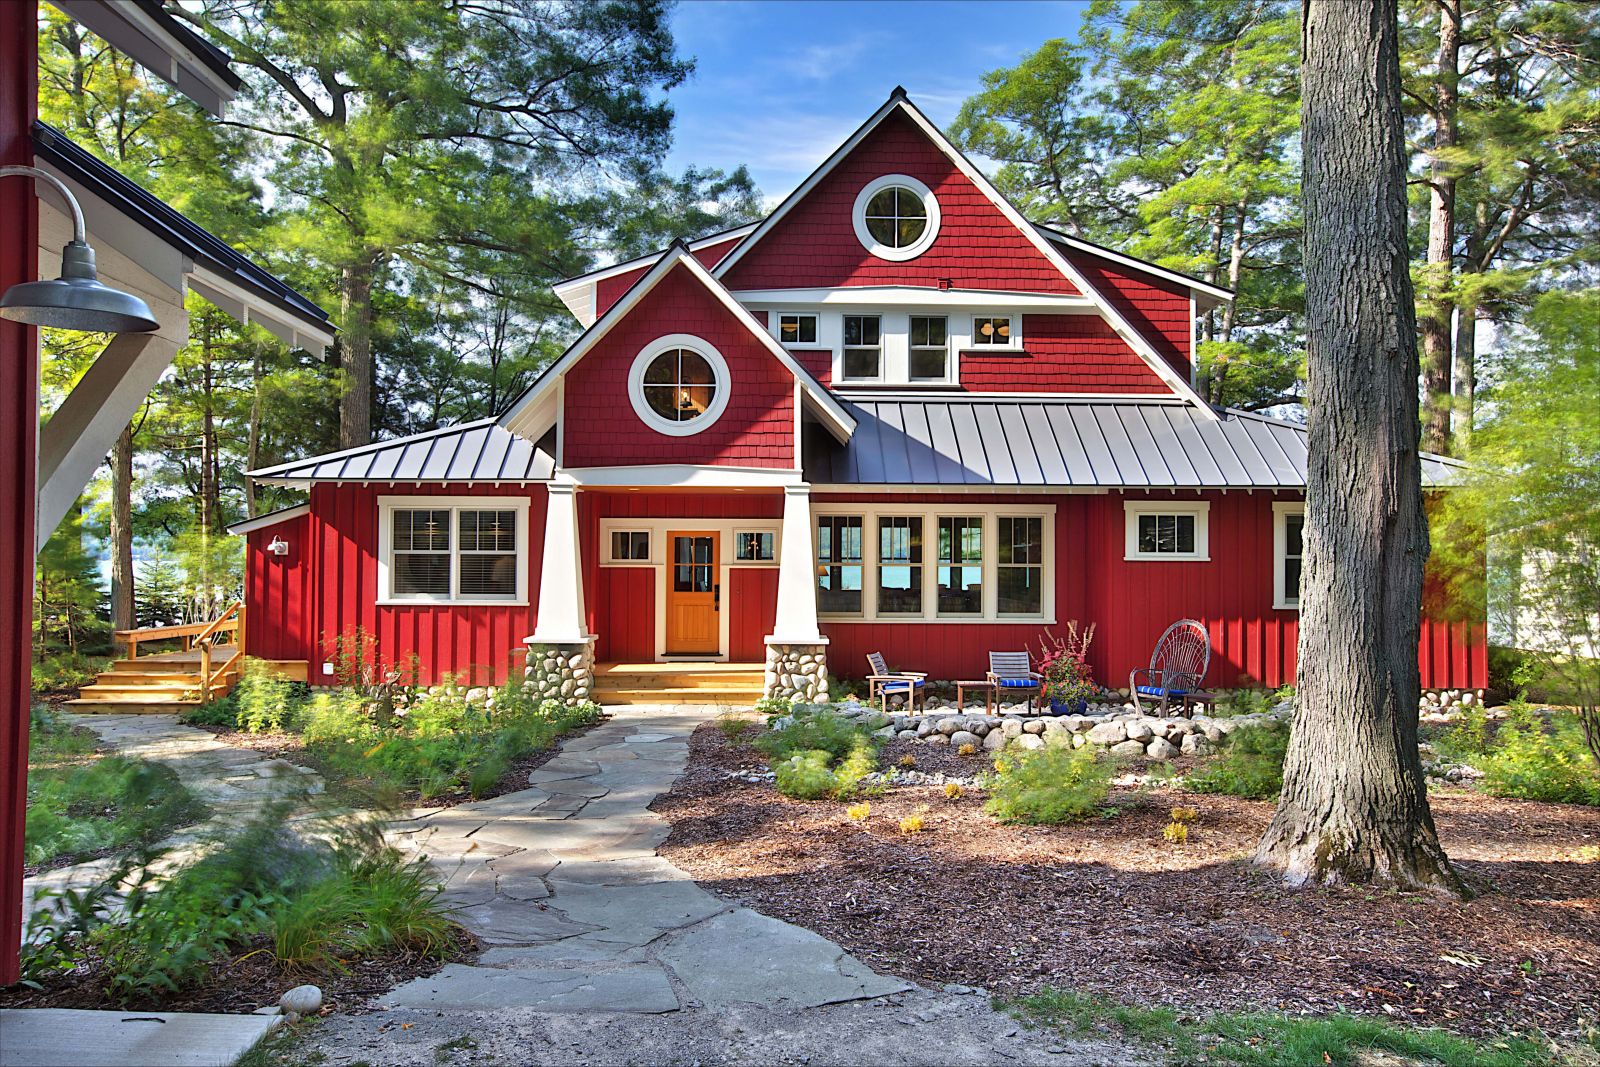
(896, 217)
(678, 384)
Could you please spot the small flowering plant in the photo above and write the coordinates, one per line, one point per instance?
(1063, 662)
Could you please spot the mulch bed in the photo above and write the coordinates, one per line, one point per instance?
(249, 981)
(1108, 905)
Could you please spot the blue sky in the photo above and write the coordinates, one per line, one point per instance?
(779, 85)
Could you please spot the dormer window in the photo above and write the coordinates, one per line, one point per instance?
(797, 329)
(896, 217)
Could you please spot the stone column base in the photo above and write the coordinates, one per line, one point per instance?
(797, 672)
(561, 671)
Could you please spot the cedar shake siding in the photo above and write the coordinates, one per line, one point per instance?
(1061, 354)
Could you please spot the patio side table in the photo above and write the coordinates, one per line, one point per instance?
(976, 683)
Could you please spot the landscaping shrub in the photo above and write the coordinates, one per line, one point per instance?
(1049, 785)
(266, 700)
(80, 804)
(1250, 764)
(815, 729)
(1234, 702)
(812, 774)
(1540, 758)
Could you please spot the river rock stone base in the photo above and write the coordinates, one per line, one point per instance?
(796, 672)
(561, 672)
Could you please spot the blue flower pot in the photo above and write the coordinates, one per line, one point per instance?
(1068, 707)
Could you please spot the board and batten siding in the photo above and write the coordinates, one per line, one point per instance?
(335, 548)
(1133, 601)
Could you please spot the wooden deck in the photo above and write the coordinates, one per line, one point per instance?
(159, 682)
(684, 682)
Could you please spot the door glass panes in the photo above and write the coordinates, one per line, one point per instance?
(693, 565)
(488, 551)
(839, 564)
(420, 554)
(679, 385)
(1166, 535)
(863, 346)
(960, 565)
(930, 351)
(1019, 574)
(900, 565)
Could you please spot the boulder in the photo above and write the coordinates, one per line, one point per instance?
(1195, 745)
(301, 1000)
(1139, 730)
(1012, 727)
(1029, 741)
(1033, 726)
(950, 725)
(965, 737)
(1128, 749)
(995, 741)
(1160, 748)
(938, 739)
(1108, 733)
(907, 735)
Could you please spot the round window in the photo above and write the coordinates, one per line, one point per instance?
(679, 384)
(896, 217)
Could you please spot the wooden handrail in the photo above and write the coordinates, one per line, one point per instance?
(206, 673)
(232, 618)
(217, 623)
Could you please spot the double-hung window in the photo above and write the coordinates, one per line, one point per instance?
(863, 347)
(1019, 574)
(839, 564)
(453, 551)
(1163, 531)
(900, 565)
(930, 349)
(1288, 553)
(960, 565)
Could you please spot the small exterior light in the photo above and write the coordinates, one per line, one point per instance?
(278, 547)
(76, 300)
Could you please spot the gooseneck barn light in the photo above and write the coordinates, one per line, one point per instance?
(76, 300)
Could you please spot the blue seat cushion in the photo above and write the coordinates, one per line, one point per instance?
(1156, 690)
(1019, 683)
(890, 687)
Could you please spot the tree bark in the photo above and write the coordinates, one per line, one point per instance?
(1354, 806)
(1437, 306)
(122, 531)
(253, 441)
(1466, 376)
(355, 354)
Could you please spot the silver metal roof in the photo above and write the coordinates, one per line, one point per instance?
(1067, 442)
(472, 452)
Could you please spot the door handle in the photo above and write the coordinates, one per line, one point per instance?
(716, 597)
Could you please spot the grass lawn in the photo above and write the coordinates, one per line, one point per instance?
(83, 804)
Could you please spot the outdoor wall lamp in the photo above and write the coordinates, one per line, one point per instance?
(278, 547)
(76, 300)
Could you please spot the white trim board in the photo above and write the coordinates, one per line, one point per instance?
(272, 518)
(580, 293)
(1200, 510)
(518, 505)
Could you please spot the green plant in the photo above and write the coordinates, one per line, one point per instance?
(1176, 833)
(818, 728)
(1064, 664)
(223, 712)
(916, 822)
(811, 774)
(773, 707)
(859, 812)
(953, 791)
(1250, 763)
(1049, 785)
(1547, 760)
(266, 699)
(734, 726)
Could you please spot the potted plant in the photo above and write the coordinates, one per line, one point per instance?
(1064, 665)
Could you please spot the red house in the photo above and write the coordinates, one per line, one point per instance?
(892, 416)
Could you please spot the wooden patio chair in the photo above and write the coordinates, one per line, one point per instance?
(1177, 667)
(1013, 672)
(883, 683)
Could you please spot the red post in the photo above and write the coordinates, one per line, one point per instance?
(19, 432)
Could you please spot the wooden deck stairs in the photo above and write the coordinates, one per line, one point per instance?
(200, 671)
(728, 684)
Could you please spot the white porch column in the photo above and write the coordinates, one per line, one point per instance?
(561, 615)
(797, 584)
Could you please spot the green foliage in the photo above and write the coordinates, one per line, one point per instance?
(1263, 1039)
(67, 670)
(1540, 758)
(735, 727)
(772, 707)
(1250, 764)
(80, 805)
(811, 730)
(69, 612)
(1234, 702)
(807, 775)
(267, 701)
(1048, 786)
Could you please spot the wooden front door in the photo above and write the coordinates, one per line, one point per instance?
(694, 593)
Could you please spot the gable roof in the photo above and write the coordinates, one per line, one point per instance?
(1205, 293)
(578, 293)
(898, 103)
(479, 451)
(1078, 443)
(536, 410)
(270, 519)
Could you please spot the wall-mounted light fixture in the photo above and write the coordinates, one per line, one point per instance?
(278, 546)
(77, 300)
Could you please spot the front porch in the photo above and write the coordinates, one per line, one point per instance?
(678, 683)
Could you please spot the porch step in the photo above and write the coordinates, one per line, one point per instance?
(730, 697)
(679, 683)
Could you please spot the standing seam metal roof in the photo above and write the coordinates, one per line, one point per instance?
(1068, 443)
(472, 452)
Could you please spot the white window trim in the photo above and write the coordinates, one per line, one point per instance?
(608, 547)
(1013, 343)
(387, 505)
(719, 371)
(776, 319)
(991, 514)
(740, 530)
(1200, 509)
(949, 349)
(930, 204)
(1280, 551)
(883, 350)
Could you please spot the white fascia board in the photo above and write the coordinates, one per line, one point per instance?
(134, 33)
(1134, 339)
(519, 417)
(315, 337)
(917, 296)
(261, 522)
(952, 395)
(579, 297)
(578, 293)
(1217, 293)
(682, 475)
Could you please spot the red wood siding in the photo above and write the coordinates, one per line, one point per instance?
(1062, 353)
(625, 615)
(819, 361)
(277, 592)
(757, 428)
(752, 601)
(1155, 307)
(340, 542)
(1132, 602)
(608, 291)
(815, 244)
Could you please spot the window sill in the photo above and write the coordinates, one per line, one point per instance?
(993, 350)
(388, 603)
(946, 620)
(1167, 558)
(1286, 607)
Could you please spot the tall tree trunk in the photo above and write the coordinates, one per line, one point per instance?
(210, 494)
(355, 353)
(1436, 301)
(253, 441)
(1354, 807)
(122, 531)
(1466, 375)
